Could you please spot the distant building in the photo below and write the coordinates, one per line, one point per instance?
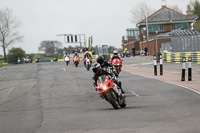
(162, 21)
(131, 39)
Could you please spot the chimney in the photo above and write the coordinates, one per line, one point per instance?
(163, 2)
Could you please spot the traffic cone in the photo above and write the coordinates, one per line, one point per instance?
(151, 58)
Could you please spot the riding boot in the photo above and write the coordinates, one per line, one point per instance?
(120, 85)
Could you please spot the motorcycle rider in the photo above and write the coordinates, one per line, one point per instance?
(66, 55)
(115, 56)
(75, 55)
(87, 55)
(103, 65)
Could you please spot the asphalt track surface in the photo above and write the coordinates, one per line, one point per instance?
(55, 98)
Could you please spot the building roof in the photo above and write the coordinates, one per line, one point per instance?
(166, 14)
(132, 29)
(176, 33)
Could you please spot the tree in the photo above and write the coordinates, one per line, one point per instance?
(190, 7)
(50, 47)
(8, 30)
(40, 56)
(140, 12)
(111, 49)
(175, 8)
(194, 8)
(14, 54)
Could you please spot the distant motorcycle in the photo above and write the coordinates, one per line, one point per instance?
(117, 64)
(67, 60)
(109, 91)
(88, 63)
(122, 54)
(76, 61)
(37, 60)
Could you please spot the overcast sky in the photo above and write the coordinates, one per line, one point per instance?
(105, 20)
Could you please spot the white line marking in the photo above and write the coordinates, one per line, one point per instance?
(64, 69)
(148, 63)
(168, 83)
(133, 93)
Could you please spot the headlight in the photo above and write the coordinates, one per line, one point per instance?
(88, 60)
(104, 87)
(118, 64)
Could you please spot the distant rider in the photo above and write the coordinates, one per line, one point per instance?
(66, 55)
(76, 55)
(87, 55)
(115, 56)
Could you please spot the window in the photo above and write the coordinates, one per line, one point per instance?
(161, 27)
(180, 25)
(136, 35)
(173, 26)
(130, 33)
(153, 27)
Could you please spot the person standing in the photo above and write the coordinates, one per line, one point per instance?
(145, 50)
(133, 51)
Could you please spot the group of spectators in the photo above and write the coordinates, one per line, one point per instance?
(80, 50)
(142, 53)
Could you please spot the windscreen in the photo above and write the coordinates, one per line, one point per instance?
(101, 79)
(116, 60)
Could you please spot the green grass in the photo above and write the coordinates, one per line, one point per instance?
(48, 58)
(3, 64)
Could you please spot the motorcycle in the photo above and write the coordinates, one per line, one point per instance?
(76, 61)
(122, 54)
(67, 60)
(37, 60)
(109, 91)
(88, 63)
(117, 64)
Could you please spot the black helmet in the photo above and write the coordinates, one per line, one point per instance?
(100, 60)
(75, 53)
(96, 67)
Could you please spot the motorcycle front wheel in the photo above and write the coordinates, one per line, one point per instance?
(88, 67)
(113, 101)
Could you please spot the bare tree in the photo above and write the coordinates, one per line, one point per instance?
(8, 30)
(175, 8)
(50, 47)
(140, 12)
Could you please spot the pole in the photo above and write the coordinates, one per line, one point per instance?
(161, 65)
(189, 69)
(155, 65)
(183, 69)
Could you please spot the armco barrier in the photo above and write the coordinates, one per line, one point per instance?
(94, 58)
(176, 57)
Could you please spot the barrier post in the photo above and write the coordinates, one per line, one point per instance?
(161, 65)
(183, 69)
(155, 65)
(189, 69)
